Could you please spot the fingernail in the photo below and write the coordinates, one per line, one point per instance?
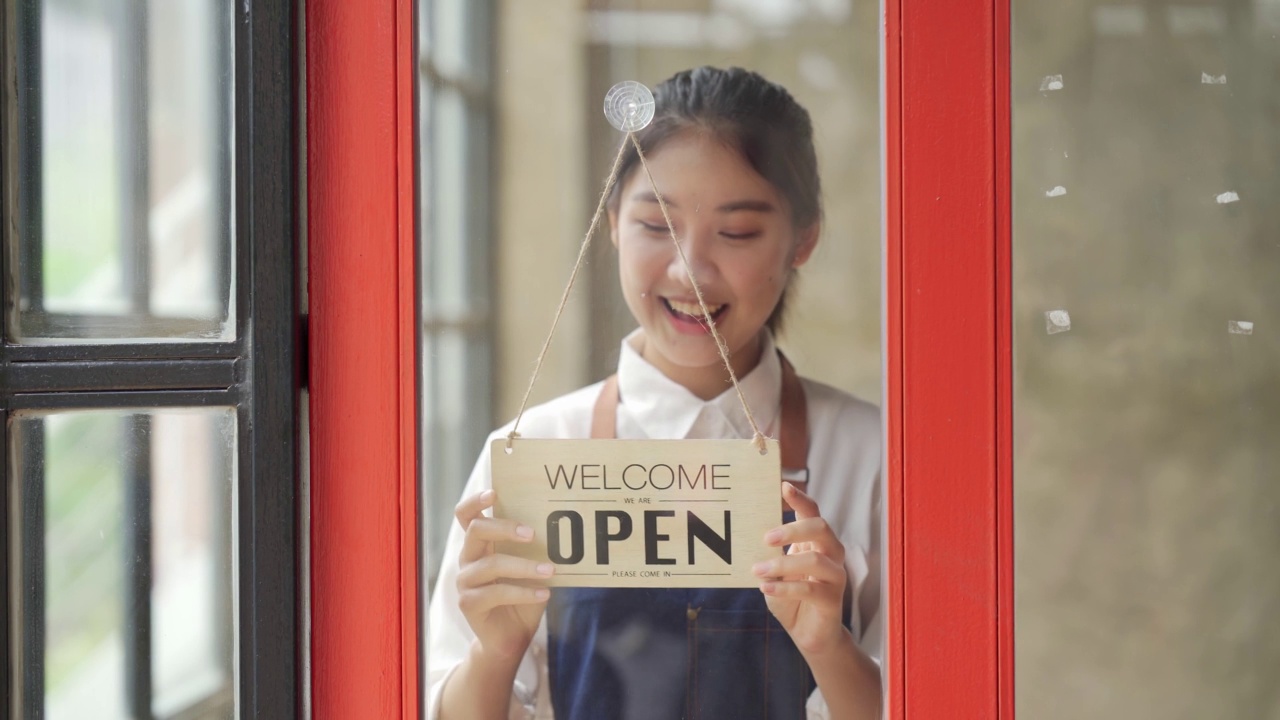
(546, 569)
(487, 495)
(542, 593)
(768, 588)
(773, 537)
(762, 568)
(524, 531)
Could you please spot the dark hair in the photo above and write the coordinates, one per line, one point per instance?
(747, 112)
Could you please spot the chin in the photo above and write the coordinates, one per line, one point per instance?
(686, 351)
(695, 351)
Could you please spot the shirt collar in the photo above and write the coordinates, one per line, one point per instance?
(665, 409)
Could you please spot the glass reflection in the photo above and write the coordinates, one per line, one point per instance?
(120, 159)
(1147, 513)
(124, 580)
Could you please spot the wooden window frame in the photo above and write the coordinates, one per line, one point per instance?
(361, 72)
(948, 359)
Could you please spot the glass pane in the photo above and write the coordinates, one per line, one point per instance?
(121, 151)
(514, 149)
(1146, 311)
(449, 295)
(457, 242)
(456, 372)
(124, 574)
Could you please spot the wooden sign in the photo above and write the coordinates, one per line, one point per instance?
(641, 513)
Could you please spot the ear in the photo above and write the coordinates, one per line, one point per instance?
(613, 227)
(807, 242)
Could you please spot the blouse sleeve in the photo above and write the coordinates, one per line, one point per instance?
(863, 564)
(865, 622)
(449, 637)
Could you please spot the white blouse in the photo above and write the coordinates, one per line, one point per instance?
(844, 479)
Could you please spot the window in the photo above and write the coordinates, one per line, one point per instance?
(124, 141)
(513, 151)
(1145, 403)
(149, 360)
(455, 112)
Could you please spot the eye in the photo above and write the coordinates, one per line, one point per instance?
(748, 235)
(660, 228)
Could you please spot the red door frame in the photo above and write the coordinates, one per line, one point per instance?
(361, 209)
(948, 359)
(947, 351)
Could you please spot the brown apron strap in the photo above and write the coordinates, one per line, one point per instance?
(793, 433)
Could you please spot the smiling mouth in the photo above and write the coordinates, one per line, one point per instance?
(692, 312)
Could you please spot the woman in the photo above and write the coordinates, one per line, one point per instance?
(734, 159)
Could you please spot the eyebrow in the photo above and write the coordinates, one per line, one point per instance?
(761, 206)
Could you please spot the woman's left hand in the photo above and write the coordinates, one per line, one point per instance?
(804, 589)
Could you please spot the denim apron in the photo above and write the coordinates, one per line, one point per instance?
(662, 654)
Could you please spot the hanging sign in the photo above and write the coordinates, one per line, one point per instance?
(641, 513)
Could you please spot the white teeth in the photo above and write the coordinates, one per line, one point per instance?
(693, 309)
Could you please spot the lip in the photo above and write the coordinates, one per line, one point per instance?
(687, 325)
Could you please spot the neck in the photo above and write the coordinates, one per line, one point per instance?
(708, 381)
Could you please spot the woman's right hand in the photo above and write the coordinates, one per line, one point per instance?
(503, 614)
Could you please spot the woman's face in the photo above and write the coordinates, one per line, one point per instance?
(736, 232)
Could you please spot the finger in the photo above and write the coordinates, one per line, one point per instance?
(485, 530)
(817, 593)
(804, 505)
(810, 530)
(473, 506)
(810, 566)
(482, 600)
(490, 569)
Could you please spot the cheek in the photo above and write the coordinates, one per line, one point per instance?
(771, 276)
(641, 256)
(636, 267)
(764, 285)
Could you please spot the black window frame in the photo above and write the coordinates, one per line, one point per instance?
(260, 372)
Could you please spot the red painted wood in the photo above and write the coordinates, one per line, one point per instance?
(407, 292)
(942, 463)
(894, 666)
(1004, 351)
(360, 234)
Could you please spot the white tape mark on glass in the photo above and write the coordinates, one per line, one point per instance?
(1228, 197)
(1057, 321)
(1057, 191)
(1240, 327)
(1207, 79)
(1051, 82)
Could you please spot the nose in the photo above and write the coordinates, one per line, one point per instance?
(698, 247)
